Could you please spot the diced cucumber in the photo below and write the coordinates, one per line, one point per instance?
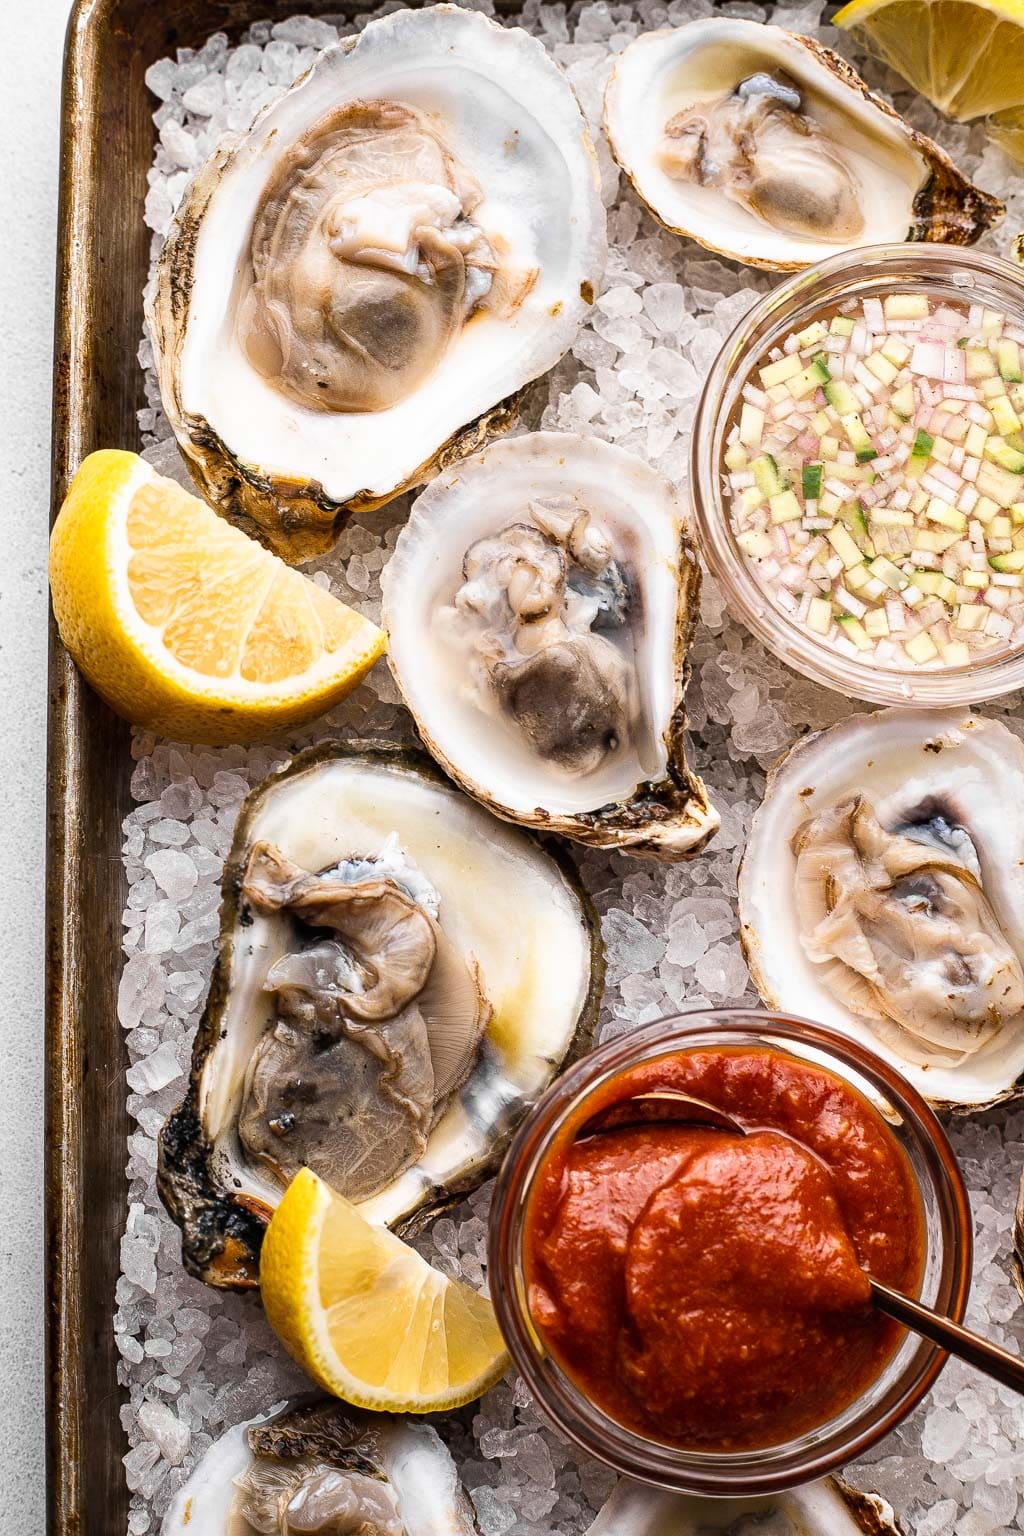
(844, 546)
(906, 306)
(777, 373)
(859, 437)
(925, 581)
(751, 425)
(876, 623)
(881, 367)
(1006, 417)
(1006, 457)
(889, 573)
(841, 397)
(812, 335)
(978, 579)
(857, 577)
(842, 325)
(921, 648)
(1008, 355)
(754, 544)
(992, 322)
(766, 475)
(735, 456)
(896, 351)
(819, 615)
(974, 442)
(946, 590)
(902, 402)
(813, 377)
(1000, 528)
(999, 484)
(1013, 560)
(955, 653)
(828, 447)
(939, 511)
(923, 445)
(972, 616)
(812, 476)
(855, 631)
(852, 515)
(785, 508)
(887, 517)
(980, 364)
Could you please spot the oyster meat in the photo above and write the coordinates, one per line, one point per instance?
(354, 290)
(768, 148)
(881, 893)
(400, 975)
(827, 1508)
(539, 607)
(322, 1466)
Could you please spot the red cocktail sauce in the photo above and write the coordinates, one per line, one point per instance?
(707, 1290)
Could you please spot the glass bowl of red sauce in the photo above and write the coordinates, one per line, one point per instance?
(689, 1305)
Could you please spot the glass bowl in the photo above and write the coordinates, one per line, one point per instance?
(904, 1380)
(941, 271)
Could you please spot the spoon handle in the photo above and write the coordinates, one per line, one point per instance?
(995, 1362)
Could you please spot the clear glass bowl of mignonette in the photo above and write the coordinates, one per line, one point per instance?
(913, 484)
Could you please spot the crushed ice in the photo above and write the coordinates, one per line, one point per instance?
(195, 1361)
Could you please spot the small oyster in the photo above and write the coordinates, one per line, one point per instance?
(322, 1466)
(828, 1508)
(881, 892)
(539, 608)
(400, 976)
(768, 148)
(355, 290)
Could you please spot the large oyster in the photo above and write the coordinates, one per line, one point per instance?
(882, 892)
(539, 607)
(355, 289)
(400, 976)
(828, 1508)
(767, 147)
(322, 1466)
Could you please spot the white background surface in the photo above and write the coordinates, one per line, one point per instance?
(30, 69)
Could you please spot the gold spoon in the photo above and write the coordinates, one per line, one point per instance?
(669, 1105)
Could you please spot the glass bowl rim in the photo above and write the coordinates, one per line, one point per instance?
(924, 263)
(721, 1473)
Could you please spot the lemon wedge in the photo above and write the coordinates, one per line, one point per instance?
(185, 625)
(365, 1316)
(1007, 130)
(965, 56)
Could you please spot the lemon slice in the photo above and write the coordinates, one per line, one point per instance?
(185, 625)
(1007, 130)
(365, 1315)
(966, 56)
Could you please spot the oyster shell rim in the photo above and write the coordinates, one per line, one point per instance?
(751, 947)
(222, 1230)
(982, 210)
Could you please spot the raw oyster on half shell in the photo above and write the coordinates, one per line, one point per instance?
(882, 893)
(323, 1466)
(539, 607)
(768, 148)
(400, 976)
(355, 290)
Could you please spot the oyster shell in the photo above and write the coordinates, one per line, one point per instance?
(539, 607)
(354, 291)
(399, 977)
(882, 893)
(768, 148)
(828, 1508)
(321, 1465)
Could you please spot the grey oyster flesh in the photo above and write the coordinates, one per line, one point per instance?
(326, 1468)
(377, 1021)
(900, 922)
(366, 261)
(759, 147)
(546, 614)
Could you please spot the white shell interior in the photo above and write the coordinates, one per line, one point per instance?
(483, 749)
(508, 115)
(664, 72)
(897, 757)
(503, 901)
